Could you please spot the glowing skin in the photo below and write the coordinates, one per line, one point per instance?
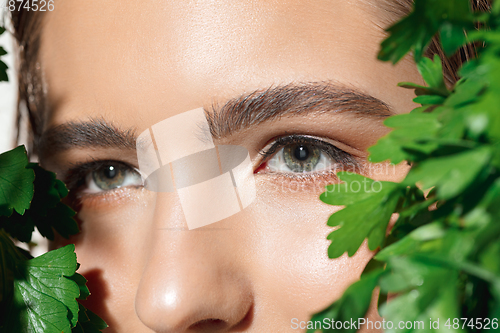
(135, 63)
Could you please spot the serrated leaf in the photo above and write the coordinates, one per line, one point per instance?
(44, 297)
(409, 33)
(450, 174)
(366, 217)
(45, 293)
(88, 322)
(442, 259)
(16, 182)
(415, 31)
(407, 130)
(81, 282)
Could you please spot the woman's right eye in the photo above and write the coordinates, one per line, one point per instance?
(304, 155)
(109, 176)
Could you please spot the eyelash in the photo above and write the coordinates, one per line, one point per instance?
(333, 152)
(77, 175)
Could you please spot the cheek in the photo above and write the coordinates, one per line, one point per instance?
(291, 247)
(278, 244)
(112, 232)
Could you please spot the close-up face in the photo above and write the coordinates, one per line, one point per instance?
(296, 83)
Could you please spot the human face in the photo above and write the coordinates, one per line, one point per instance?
(123, 66)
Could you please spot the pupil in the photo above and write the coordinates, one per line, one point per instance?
(301, 153)
(110, 172)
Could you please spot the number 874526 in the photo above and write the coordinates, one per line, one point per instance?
(472, 323)
(30, 5)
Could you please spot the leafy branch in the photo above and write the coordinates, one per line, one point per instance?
(441, 262)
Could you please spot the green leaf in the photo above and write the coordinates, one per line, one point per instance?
(416, 241)
(2, 51)
(45, 292)
(418, 282)
(355, 188)
(352, 306)
(88, 322)
(407, 130)
(452, 37)
(450, 174)
(3, 71)
(81, 282)
(441, 256)
(45, 299)
(9, 255)
(369, 206)
(465, 92)
(429, 99)
(46, 211)
(16, 182)
(415, 31)
(419, 90)
(45, 184)
(432, 73)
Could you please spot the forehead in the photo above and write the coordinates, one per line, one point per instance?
(159, 58)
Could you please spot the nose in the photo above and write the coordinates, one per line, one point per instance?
(193, 282)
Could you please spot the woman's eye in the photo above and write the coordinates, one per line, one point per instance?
(298, 158)
(111, 176)
(302, 154)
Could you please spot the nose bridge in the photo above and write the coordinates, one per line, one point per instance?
(191, 280)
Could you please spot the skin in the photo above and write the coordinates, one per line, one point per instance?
(136, 63)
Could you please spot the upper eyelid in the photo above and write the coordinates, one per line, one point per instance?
(297, 138)
(80, 171)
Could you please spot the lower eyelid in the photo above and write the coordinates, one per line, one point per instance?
(114, 198)
(296, 183)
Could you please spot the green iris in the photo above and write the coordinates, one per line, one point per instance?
(301, 157)
(109, 176)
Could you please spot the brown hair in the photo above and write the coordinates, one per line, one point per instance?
(27, 30)
(31, 93)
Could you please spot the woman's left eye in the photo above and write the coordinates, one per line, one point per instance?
(109, 176)
(304, 154)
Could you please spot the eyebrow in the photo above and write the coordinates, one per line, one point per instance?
(236, 114)
(291, 100)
